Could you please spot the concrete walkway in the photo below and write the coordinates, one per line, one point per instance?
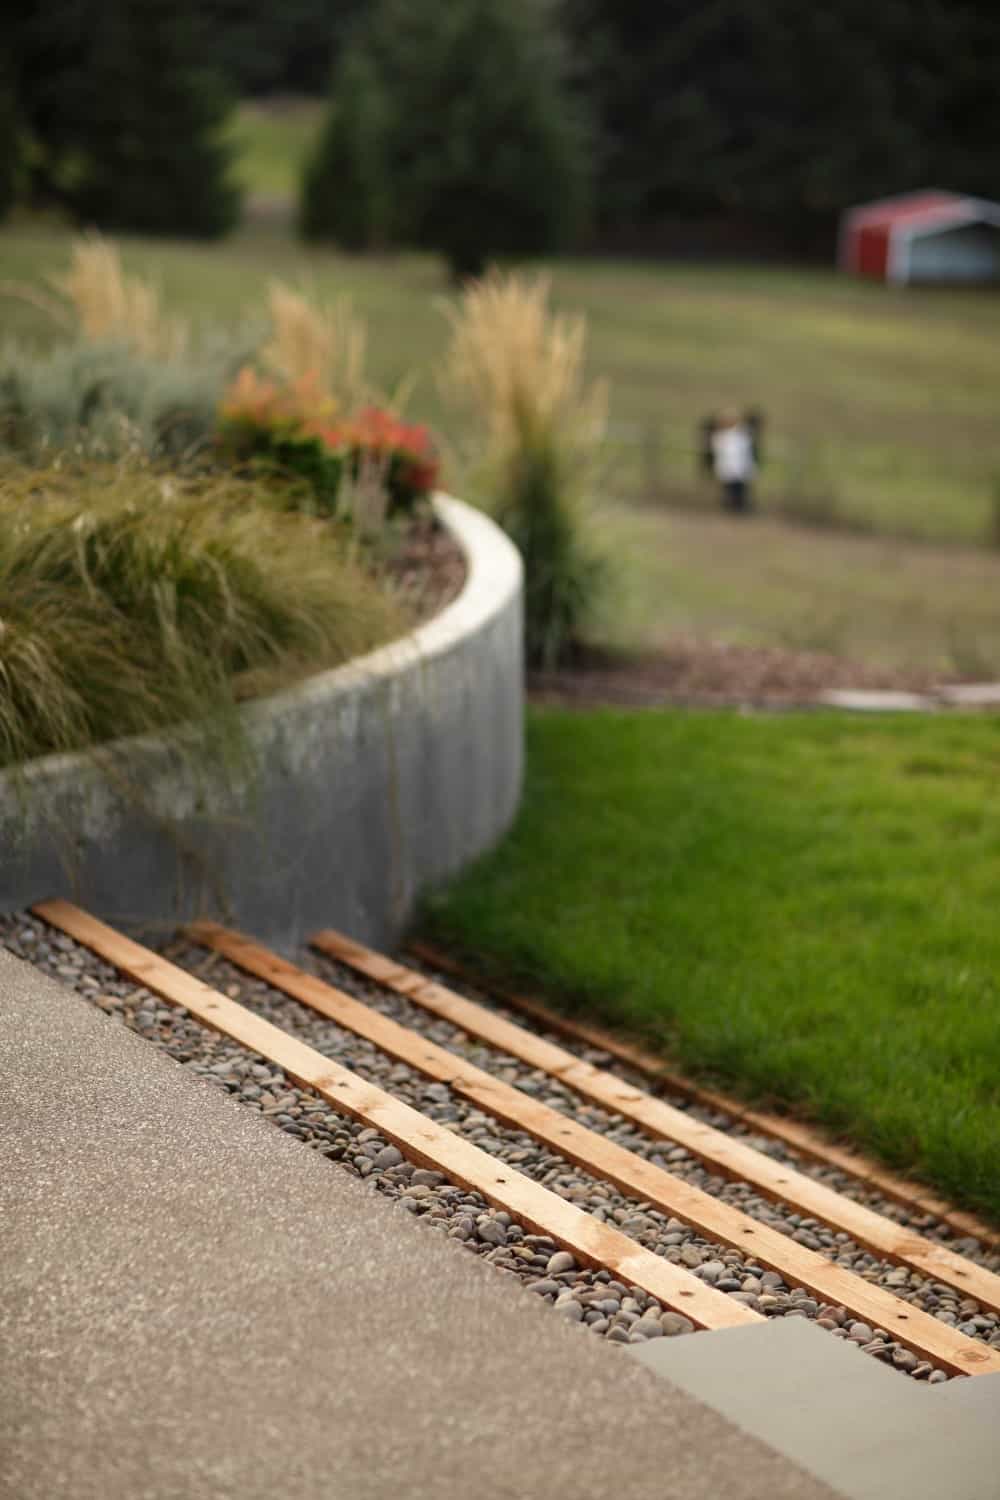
(196, 1306)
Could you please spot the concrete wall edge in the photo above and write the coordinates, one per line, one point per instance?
(376, 779)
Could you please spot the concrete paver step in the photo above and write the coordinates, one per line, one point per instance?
(876, 700)
(842, 1416)
(981, 1396)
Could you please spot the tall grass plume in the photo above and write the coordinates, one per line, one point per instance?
(108, 305)
(516, 371)
(310, 341)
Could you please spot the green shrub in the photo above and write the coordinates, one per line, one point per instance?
(563, 576)
(345, 188)
(110, 400)
(126, 123)
(296, 429)
(132, 601)
(9, 143)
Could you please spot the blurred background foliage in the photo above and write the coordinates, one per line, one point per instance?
(453, 128)
(767, 116)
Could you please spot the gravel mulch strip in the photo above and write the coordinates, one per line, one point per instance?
(923, 1223)
(617, 1312)
(944, 1302)
(696, 672)
(592, 1298)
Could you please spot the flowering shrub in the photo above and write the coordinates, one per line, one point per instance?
(278, 425)
(298, 428)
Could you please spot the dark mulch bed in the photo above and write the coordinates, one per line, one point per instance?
(707, 673)
(428, 568)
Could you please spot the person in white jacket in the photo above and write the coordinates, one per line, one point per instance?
(732, 449)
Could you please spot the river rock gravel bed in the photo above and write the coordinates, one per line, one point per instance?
(942, 1301)
(617, 1312)
(924, 1224)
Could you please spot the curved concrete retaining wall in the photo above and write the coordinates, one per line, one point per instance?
(371, 783)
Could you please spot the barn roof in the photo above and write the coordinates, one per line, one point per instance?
(928, 209)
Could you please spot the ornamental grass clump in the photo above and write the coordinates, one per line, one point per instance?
(515, 374)
(132, 601)
(97, 300)
(128, 383)
(126, 379)
(322, 345)
(107, 401)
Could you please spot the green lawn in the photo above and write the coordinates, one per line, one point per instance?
(802, 907)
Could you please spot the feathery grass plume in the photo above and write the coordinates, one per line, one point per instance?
(323, 344)
(517, 370)
(130, 602)
(113, 307)
(520, 367)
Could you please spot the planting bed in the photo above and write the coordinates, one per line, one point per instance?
(695, 672)
(427, 568)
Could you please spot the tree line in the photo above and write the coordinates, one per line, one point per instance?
(546, 122)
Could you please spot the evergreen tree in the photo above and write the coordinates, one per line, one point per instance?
(345, 187)
(263, 48)
(47, 51)
(484, 149)
(783, 114)
(125, 123)
(9, 144)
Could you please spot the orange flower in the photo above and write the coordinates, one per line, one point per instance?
(303, 411)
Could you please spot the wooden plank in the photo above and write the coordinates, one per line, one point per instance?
(804, 1139)
(610, 1162)
(732, 1158)
(587, 1032)
(911, 1195)
(419, 1138)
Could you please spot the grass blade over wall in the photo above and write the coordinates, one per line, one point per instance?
(129, 603)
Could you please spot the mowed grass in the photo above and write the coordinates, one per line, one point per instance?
(915, 609)
(880, 403)
(803, 908)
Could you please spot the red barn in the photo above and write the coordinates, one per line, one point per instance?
(926, 236)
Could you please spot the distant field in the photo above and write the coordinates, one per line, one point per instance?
(903, 607)
(271, 143)
(882, 405)
(881, 408)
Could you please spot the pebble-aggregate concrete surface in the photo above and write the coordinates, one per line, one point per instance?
(197, 1305)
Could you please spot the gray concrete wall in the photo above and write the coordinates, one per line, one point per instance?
(370, 783)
